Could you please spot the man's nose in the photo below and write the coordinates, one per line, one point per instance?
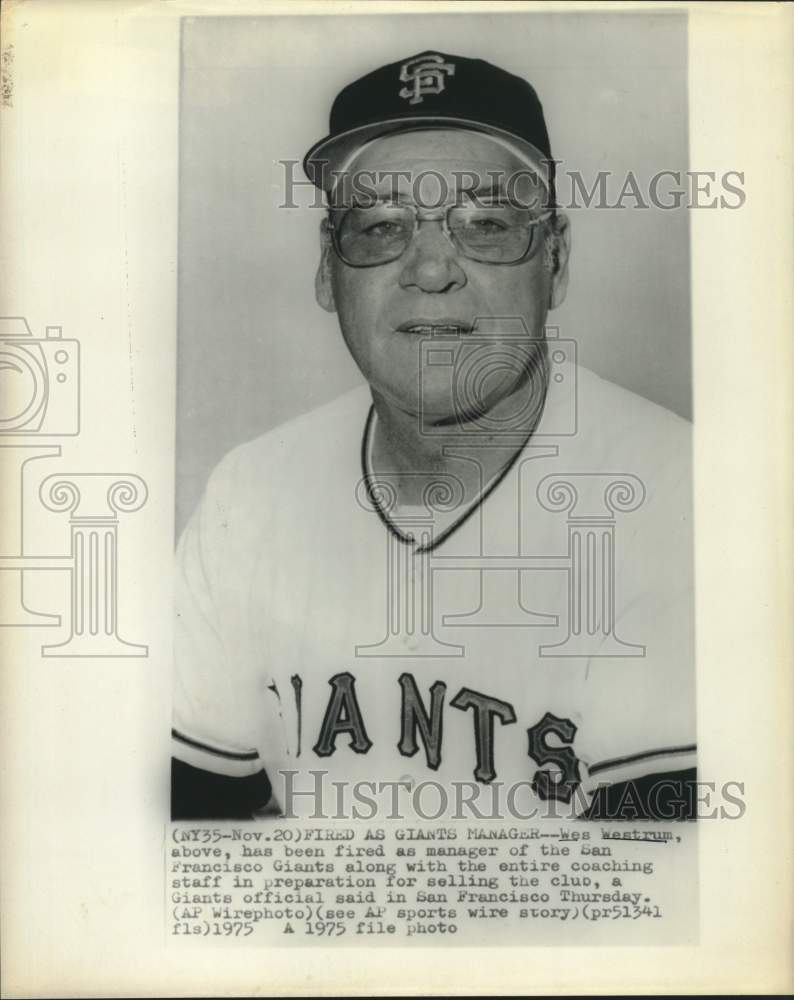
(431, 262)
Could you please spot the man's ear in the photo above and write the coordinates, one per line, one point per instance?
(561, 252)
(323, 289)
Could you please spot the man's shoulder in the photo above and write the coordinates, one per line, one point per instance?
(315, 427)
(627, 424)
(615, 402)
(328, 435)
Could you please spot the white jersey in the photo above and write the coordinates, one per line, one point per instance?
(549, 629)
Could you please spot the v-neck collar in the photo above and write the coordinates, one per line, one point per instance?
(370, 479)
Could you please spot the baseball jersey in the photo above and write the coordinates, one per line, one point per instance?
(545, 628)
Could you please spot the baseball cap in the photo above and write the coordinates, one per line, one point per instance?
(433, 90)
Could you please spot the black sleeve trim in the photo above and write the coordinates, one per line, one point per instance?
(197, 794)
(229, 754)
(669, 795)
(606, 765)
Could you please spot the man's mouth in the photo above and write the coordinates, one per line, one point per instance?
(435, 327)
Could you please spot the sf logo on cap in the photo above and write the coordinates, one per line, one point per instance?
(426, 75)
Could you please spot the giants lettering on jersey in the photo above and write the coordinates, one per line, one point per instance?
(343, 716)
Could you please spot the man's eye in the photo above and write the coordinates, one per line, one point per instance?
(384, 229)
(485, 226)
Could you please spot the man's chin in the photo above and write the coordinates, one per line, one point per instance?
(422, 406)
(438, 413)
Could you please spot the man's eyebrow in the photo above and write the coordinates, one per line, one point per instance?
(380, 198)
(494, 188)
(485, 191)
(386, 196)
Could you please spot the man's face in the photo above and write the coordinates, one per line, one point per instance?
(387, 311)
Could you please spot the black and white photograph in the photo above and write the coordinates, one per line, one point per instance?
(395, 499)
(434, 440)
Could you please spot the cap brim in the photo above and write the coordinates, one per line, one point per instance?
(330, 157)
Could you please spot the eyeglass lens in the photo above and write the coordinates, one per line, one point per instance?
(497, 233)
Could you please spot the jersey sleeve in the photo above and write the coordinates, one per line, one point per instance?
(218, 701)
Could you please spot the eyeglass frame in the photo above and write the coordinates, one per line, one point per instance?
(441, 216)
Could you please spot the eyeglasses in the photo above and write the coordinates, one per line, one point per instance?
(498, 233)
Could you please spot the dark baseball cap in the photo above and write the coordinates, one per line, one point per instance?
(433, 90)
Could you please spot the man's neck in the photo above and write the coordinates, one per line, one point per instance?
(474, 451)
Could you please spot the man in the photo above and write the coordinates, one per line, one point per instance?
(475, 570)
